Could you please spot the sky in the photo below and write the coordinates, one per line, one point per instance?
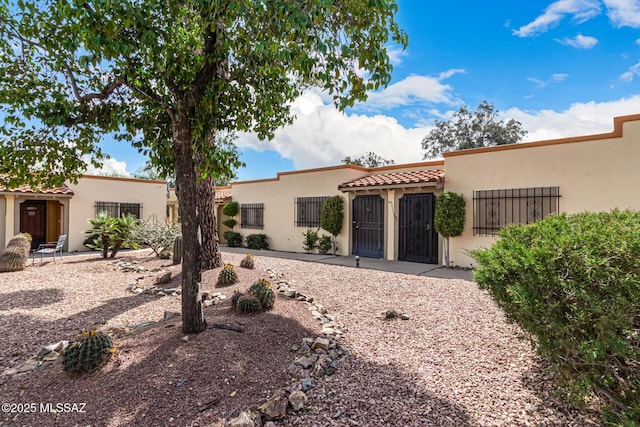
(562, 68)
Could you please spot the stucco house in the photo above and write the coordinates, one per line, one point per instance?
(48, 213)
(389, 210)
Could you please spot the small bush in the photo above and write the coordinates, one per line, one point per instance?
(156, 235)
(324, 244)
(257, 241)
(231, 209)
(233, 238)
(310, 240)
(572, 282)
(230, 223)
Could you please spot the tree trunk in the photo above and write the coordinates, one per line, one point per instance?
(192, 316)
(446, 251)
(211, 257)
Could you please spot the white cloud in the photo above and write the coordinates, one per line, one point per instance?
(633, 71)
(580, 10)
(323, 136)
(555, 78)
(578, 120)
(579, 41)
(624, 13)
(110, 167)
(396, 54)
(414, 89)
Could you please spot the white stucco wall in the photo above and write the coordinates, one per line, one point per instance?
(594, 173)
(91, 189)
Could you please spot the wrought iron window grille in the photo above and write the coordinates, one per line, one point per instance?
(252, 215)
(495, 209)
(308, 210)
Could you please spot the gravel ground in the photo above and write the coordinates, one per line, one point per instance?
(455, 362)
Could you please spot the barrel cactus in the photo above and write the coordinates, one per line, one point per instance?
(227, 276)
(15, 257)
(264, 292)
(177, 249)
(234, 299)
(248, 303)
(89, 351)
(248, 262)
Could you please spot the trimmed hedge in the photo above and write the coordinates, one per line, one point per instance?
(233, 238)
(257, 241)
(573, 282)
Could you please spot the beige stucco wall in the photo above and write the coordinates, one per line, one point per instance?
(278, 196)
(594, 173)
(91, 189)
(3, 222)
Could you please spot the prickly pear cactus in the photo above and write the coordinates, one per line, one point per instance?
(264, 292)
(227, 276)
(247, 304)
(89, 351)
(177, 249)
(248, 262)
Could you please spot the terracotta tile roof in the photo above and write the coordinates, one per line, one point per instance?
(223, 194)
(64, 190)
(396, 179)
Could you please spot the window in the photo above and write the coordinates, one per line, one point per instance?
(117, 209)
(252, 215)
(308, 211)
(494, 209)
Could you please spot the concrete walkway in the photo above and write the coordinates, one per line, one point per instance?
(430, 270)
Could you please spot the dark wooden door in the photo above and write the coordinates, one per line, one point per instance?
(368, 226)
(418, 240)
(33, 221)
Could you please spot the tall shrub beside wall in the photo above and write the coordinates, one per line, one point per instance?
(331, 217)
(573, 282)
(449, 218)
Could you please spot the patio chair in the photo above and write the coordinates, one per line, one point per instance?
(50, 248)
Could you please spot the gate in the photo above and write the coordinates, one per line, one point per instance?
(368, 226)
(418, 240)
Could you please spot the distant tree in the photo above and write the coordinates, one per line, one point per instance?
(331, 217)
(471, 129)
(369, 160)
(449, 218)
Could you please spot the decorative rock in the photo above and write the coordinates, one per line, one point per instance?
(169, 315)
(275, 408)
(306, 384)
(270, 424)
(242, 420)
(321, 343)
(207, 302)
(305, 362)
(404, 316)
(291, 293)
(297, 400)
(163, 278)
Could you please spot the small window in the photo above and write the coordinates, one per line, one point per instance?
(308, 209)
(494, 209)
(252, 215)
(117, 209)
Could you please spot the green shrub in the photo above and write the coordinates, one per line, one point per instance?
(257, 241)
(449, 218)
(156, 235)
(331, 217)
(310, 240)
(230, 223)
(324, 244)
(231, 209)
(573, 283)
(233, 238)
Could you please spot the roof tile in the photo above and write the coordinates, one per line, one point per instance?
(396, 178)
(63, 190)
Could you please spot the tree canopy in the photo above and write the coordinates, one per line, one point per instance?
(167, 76)
(368, 160)
(471, 129)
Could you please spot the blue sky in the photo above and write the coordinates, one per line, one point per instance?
(562, 68)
